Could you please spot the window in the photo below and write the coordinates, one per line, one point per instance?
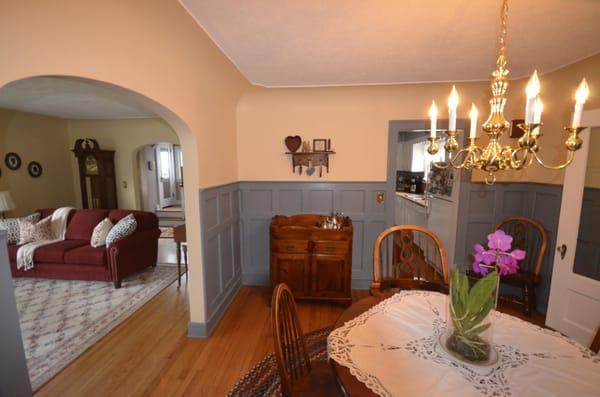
(421, 159)
(165, 164)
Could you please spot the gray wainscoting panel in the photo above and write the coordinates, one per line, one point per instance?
(263, 200)
(482, 206)
(220, 223)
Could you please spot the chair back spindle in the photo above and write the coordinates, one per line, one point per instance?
(290, 349)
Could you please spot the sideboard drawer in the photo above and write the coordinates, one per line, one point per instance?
(331, 247)
(290, 246)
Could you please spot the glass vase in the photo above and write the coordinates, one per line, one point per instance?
(470, 317)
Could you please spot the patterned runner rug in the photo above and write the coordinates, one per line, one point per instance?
(263, 379)
(60, 319)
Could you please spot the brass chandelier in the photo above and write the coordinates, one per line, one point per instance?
(495, 157)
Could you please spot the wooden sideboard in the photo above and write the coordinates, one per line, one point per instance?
(315, 263)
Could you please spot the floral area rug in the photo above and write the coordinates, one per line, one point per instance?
(60, 319)
(263, 378)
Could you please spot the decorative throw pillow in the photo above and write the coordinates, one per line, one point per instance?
(32, 231)
(11, 225)
(100, 233)
(122, 229)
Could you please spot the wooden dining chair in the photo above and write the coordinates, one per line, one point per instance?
(299, 376)
(595, 346)
(408, 257)
(530, 236)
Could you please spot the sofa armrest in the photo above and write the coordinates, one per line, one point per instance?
(132, 254)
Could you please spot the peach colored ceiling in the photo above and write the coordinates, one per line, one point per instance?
(349, 42)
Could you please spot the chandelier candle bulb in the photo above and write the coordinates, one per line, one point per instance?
(581, 97)
(532, 91)
(433, 116)
(473, 115)
(452, 105)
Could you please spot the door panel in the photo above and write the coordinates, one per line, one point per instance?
(291, 269)
(574, 307)
(327, 275)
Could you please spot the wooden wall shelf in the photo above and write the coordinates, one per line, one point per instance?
(310, 161)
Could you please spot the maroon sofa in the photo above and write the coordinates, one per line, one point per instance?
(75, 259)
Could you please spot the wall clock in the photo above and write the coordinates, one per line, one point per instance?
(12, 161)
(35, 169)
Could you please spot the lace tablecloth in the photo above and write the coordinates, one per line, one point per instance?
(392, 349)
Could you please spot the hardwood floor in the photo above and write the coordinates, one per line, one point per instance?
(150, 355)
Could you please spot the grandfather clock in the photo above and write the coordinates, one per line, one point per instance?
(96, 174)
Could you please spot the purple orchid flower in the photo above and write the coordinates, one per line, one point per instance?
(499, 241)
(497, 256)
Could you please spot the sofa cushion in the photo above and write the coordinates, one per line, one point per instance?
(145, 220)
(100, 233)
(11, 225)
(125, 227)
(82, 223)
(87, 255)
(35, 231)
(54, 253)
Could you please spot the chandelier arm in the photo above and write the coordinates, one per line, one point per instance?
(570, 157)
(441, 165)
(519, 164)
(462, 164)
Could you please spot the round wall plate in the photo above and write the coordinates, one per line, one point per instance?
(12, 161)
(35, 169)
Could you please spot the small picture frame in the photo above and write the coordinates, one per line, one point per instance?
(319, 145)
(12, 161)
(35, 169)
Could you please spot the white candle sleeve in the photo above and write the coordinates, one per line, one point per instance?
(452, 119)
(577, 114)
(473, 131)
(529, 110)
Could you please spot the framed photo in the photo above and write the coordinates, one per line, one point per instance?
(35, 169)
(12, 161)
(319, 145)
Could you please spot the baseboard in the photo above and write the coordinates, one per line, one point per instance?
(204, 330)
(255, 279)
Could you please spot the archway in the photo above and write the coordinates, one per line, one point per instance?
(190, 173)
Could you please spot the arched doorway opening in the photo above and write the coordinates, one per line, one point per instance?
(27, 112)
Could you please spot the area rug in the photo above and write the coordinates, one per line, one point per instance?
(60, 319)
(263, 378)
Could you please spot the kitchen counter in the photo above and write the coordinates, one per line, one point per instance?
(419, 199)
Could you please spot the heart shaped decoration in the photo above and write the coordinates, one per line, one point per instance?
(293, 143)
(310, 171)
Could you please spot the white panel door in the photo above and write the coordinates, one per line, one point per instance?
(574, 306)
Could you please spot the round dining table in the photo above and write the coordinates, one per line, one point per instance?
(389, 347)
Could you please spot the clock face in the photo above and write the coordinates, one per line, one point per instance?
(91, 165)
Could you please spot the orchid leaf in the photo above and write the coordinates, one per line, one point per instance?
(480, 293)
